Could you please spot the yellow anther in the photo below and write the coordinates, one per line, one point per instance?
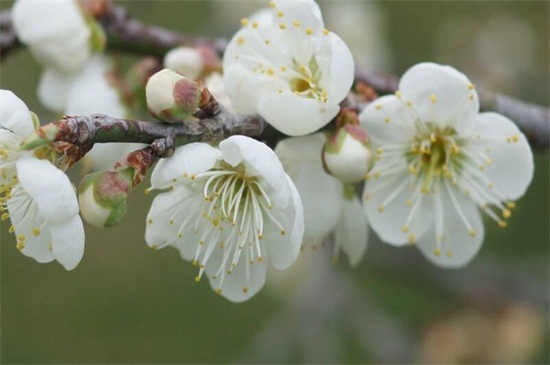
(381, 209)
(36, 232)
(146, 191)
(309, 31)
(21, 237)
(398, 93)
(11, 229)
(193, 177)
(471, 87)
(20, 245)
(387, 120)
(378, 106)
(240, 41)
(379, 150)
(489, 161)
(218, 291)
(437, 252)
(245, 289)
(197, 278)
(433, 98)
(255, 25)
(409, 103)
(150, 221)
(511, 205)
(283, 232)
(472, 232)
(5, 216)
(514, 138)
(283, 69)
(272, 4)
(260, 259)
(270, 72)
(449, 253)
(471, 97)
(154, 247)
(502, 224)
(412, 239)
(244, 22)
(409, 202)
(405, 229)
(280, 14)
(326, 32)
(296, 23)
(282, 26)
(506, 213)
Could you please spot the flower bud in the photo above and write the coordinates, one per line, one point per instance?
(171, 97)
(103, 197)
(346, 154)
(186, 61)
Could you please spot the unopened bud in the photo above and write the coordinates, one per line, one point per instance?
(171, 97)
(103, 197)
(346, 154)
(185, 60)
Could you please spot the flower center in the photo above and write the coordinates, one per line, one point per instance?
(306, 81)
(235, 212)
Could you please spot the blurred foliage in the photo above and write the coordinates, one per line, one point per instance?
(127, 304)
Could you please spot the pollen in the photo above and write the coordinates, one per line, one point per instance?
(437, 252)
(381, 209)
(280, 14)
(309, 31)
(36, 232)
(326, 32)
(244, 22)
(412, 239)
(387, 120)
(146, 191)
(150, 221)
(260, 259)
(405, 229)
(433, 98)
(502, 224)
(297, 24)
(449, 253)
(255, 25)
(240, 41)
(398, 93)
(272, 4)
(20, 245)
(378, 106)
(218, 291)
(270, 72)
(472, 232)
(197, 278)
(282, 26)
(471, 87)
(506, 213)
(245, 289)
(11, 229)
(511, 205)
(5, 216)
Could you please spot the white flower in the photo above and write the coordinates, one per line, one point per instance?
(227, 211)
(38, 197)
(56, 32)
(330, 206)
(289, 69)
(438, 161)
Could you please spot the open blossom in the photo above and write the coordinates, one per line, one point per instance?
(37, 197)
(330, 205)
(288, 68)
(439, 160)
(229, 211)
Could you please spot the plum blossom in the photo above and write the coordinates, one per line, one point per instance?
(37, 197)
(439, 162)
(228, 211)
(330, 205)
(287, 67)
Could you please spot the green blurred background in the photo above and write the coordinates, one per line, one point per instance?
(127, 304)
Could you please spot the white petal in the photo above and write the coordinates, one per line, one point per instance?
(14, 115)
(388, 121)
(458, 246)
(351, 233)
(388, 221)
(92, 93)
(283, 249)
(294, 115)
(512, 169)
(294, 151)
(49, 187)
(168, 211)
(307, 12)
(440, 95)
(54, 88)
(233, 287)
(68, 242)
(191, 159)
(60, 44)
(259, 161)
(342, 71)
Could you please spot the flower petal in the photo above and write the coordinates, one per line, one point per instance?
(294, 115)
(49, 187)
(460, 243)
(239, 285)
(307, 12)
(351, 233)
(15, 116)
(191, 159)
(54, 88)
(385, 201)
(389, 121)
(512, 166)
(283, 247)
(68, 242)
(260, 161)
(440, 95)
(342, 71)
